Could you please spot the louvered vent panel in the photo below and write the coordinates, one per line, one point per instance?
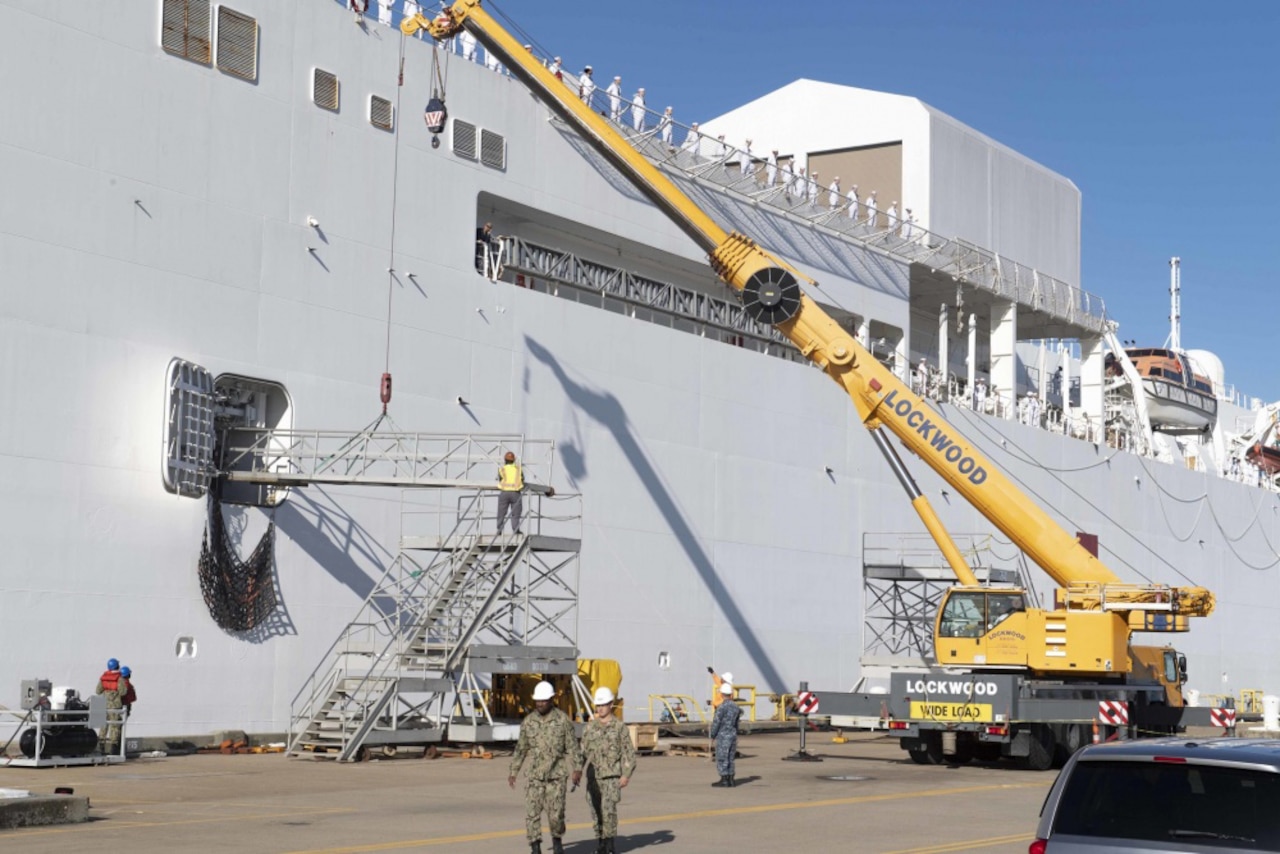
(464, 139)
(493, 149)
(184, 29)
(237, 43)
(380, 113)
(324, 89)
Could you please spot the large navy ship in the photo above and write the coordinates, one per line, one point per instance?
(258, 375)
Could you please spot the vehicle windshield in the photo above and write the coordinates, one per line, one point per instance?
(1199, 805)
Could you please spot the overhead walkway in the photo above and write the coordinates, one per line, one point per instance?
(371, 457)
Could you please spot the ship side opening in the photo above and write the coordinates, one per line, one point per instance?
(560, 257)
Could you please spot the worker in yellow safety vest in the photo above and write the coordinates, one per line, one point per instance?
(510, 485)
(717, 680)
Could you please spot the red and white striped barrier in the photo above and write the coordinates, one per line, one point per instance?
(1113, 712)
(1223, 717)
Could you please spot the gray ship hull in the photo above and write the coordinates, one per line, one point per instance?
(157, 208)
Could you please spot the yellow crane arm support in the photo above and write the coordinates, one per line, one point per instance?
(770, 293)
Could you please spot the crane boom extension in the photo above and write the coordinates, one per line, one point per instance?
(770, 293)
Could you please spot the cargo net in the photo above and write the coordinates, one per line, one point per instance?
(240, 594)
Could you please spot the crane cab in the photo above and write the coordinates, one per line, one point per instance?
(994, 627)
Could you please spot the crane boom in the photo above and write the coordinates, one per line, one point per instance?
(771, 293)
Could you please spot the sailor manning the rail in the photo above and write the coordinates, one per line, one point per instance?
(510, 485)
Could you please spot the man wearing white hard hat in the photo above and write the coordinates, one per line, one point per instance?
(610, 758)
(547, 741)
(724, 729)
(717, 681)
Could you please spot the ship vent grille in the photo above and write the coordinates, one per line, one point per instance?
(493, 149)
(237, 44)
(324, 89)
(464, 139)
(184, 29)
(381, 113)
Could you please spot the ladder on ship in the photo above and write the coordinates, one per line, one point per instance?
(452, 608)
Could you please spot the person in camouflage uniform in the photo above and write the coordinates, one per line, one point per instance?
(724, 729)
(611, 760)
(548, 742)
(112, 686)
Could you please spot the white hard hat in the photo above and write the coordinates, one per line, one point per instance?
(543, 691)
(726, 689)
(727, 676)
(603, 697)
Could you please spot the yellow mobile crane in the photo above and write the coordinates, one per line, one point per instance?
(1086, 635)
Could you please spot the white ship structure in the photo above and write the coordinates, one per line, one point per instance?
(257, 374)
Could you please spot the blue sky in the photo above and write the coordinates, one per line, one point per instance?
(1166, 115)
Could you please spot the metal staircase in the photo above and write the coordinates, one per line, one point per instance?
(451, 606)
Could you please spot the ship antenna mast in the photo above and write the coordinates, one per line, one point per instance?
(1175, 303)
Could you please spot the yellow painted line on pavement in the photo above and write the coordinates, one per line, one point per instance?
(683, 816)
(967, 845)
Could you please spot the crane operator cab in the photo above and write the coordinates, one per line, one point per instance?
(995, 627)
(973, 613)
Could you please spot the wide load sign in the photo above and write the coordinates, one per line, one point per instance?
(955, 698)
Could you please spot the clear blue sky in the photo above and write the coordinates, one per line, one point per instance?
(1165, 114)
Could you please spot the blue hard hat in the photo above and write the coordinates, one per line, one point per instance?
(126, 672)
(112, 664)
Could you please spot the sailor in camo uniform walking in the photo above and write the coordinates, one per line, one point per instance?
(611, 760)
(724, 729)
(547, 740)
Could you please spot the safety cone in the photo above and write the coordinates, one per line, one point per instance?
(1096, 739)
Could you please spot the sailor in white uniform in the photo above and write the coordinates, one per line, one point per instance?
(615, 99)
(664, 127)
(637, 109)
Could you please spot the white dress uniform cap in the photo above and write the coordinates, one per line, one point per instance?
(603, 696)
(543, 691)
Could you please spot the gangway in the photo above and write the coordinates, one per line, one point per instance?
(282, 459)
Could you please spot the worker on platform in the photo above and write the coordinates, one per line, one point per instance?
(484, 248)
(718, 681)
(112, 686)
(510, 485)
(548, 743)
(610, 760)
(724, 729)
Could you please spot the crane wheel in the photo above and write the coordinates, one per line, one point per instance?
(1040, 756)
(930, 750)
(771, 296)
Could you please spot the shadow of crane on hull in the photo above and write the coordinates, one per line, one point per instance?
(605, 409)
(336, 542)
